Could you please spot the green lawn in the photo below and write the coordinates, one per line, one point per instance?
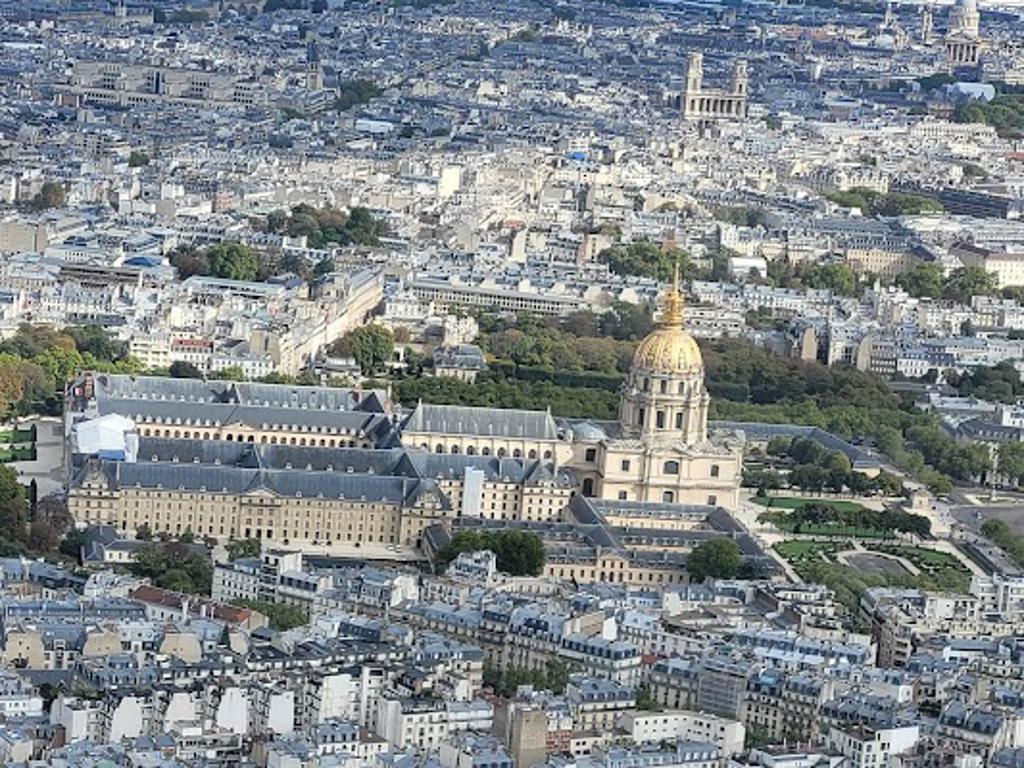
(27, 453)
(793, 502)
(848, 531)
(10, 436)
(800, 550)
(812, 560)
(923, 558)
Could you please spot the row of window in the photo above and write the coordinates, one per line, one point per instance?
(663, 386)
(323, 442)
(471, 451)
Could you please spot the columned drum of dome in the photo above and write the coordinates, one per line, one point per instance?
(664, 396)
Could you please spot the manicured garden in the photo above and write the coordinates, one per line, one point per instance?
(816, 518)
(793, 502)
(17, 445)
(814, 561)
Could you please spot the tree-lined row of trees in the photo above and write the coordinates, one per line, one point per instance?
(506, 681)
(1000, 534)
(872, 203)
(929, 281)
(37, 362)
(815, 516)
(816, 468)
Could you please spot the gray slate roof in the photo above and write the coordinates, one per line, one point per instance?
(484, 422)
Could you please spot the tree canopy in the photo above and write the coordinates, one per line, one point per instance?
(323, 227)
(518, 553)
(352, 93)
(50, 195)
(175, 566)
(1005, 113)
(999, 383)
(872, 203)
(232, 261)
(717, 558)
(37, 362)
(370, 345)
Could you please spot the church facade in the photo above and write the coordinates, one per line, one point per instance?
(658, 450)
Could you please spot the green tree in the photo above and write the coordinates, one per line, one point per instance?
(282, 617)
(999, 383)
(175, 566)
(370, 345)
(180, 369)
(644, 259)
(717, 558)
(230, 373)
(189, 261)
(838, 278)
(239, 548)
(518, 553)
(96, 341)
(323, 267)
(51, 195)
(742, 216)
(352, 93)
(922, 281)
(233, 261)
(293, 263)
(138, 159)
(644, 701)
(1011, 461)
(42, 538)
(966, 282)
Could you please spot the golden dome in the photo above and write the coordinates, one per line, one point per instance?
(669, 349)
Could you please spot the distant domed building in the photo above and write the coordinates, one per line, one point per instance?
(659, 449)
(963, 37)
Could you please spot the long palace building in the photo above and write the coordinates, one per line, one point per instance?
(328, 468)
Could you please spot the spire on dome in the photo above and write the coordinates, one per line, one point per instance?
(672, 304)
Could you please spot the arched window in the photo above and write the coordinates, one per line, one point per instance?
(501, 453)
(516, 453)
(714, 470)
(470, 450)
(485, 451)
(455, 449)
(664, 386)
(439, 448)
(532, 454)
(671, 468)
